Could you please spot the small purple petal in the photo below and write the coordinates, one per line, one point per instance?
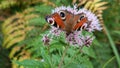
(88, 41)
(46, 40)
(75, 39)
(55, 31)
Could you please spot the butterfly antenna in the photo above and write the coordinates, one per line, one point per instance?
(75, 7)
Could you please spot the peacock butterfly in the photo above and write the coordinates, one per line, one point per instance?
(71, 19)
(72, 22)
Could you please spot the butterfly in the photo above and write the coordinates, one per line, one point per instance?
(72, 22)
(71, 19)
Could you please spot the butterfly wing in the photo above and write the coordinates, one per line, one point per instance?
(81, 20)
(55, 20)
(79, 24)
(58, 21)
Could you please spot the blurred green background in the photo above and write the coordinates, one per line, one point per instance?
(22, 22)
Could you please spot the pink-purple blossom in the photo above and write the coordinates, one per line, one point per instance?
(55, 31)
(78, 39)
(46, 40)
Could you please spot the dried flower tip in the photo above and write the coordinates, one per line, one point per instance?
(46, 40)
(88, 41)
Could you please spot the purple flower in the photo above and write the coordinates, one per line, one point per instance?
(88, 40)
(46, 40)
(78, 39)
(70, 38)
(75, 38)
(55, 31)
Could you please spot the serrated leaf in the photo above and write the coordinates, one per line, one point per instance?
(88, 51)
(55, 46)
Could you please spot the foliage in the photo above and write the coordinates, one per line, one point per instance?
(21, 36)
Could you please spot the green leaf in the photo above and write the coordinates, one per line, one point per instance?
(30, 63)
(72, 51)
(116, 32)
(39, 21)
(89, 51)
(46, 57)
(76, 65)
(56, 46)
(43, 9)
(55, 59)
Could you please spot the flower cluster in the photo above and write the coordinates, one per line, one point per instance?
(46, 40)
(54, 32)
(76, 38)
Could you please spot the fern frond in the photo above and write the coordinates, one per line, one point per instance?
(14, 30)
(16, 27)
(6, 4)
(23, 54)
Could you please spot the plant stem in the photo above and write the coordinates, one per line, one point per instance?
(48, 48)
(112, 45)
(62, 58)
(108, 62)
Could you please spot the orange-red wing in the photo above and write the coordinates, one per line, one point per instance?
(58, 20)
(79, 24)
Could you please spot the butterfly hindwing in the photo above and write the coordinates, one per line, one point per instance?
(80, 21)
